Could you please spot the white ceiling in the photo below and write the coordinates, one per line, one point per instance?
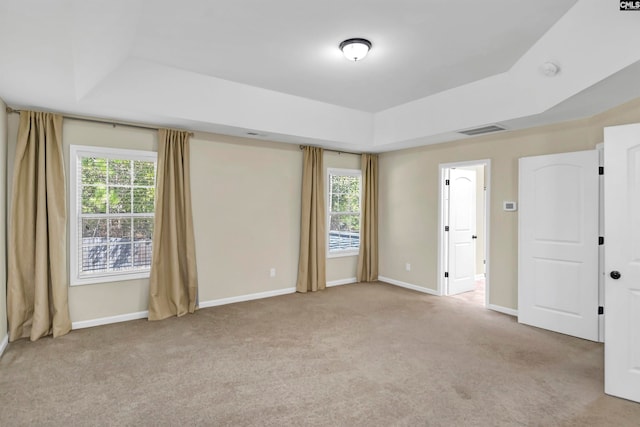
(419, 47)
(234, 66)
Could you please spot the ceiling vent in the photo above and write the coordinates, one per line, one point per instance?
(482, 130)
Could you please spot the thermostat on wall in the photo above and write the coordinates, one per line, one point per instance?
(510, 206)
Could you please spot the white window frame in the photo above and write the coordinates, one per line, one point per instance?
(75, 152)
(340, 172)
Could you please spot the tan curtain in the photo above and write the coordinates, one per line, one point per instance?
(312, 264)
(368, 258)
(173, 284)
(37, 298)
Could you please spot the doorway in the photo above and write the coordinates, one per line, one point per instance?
(463, 231)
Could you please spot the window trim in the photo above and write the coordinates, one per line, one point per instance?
(76, 151)
(339, 253)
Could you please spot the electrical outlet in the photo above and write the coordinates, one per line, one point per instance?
(407, 267)
(272, 272)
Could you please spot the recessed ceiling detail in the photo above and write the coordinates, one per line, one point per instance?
(274, 69)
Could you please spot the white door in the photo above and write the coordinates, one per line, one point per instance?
(622, 255)
(558, 243)
(462, 224)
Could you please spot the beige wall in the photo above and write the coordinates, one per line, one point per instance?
(3, 238)
(246, 204)
(409, 197)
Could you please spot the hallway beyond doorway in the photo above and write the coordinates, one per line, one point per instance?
(476, 296)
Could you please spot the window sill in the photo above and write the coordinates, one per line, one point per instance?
(94, 280)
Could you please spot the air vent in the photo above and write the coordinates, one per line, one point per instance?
(482, 130)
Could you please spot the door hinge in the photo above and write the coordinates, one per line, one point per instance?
(446, 182)
(601, 170)
(601, 240)
(446, 274)
(601, 310)
(446, 228)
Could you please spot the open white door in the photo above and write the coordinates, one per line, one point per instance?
(558, 243)
(622, 261)
(462, 224)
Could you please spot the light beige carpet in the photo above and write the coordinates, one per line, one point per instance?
(355, 355)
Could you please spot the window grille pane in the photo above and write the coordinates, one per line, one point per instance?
(345, 222)
(119, 256)
(120, 230)
(143, 228)
(335, 200)
(94, 231)
(142, 254)
(144, 173)
(94, 199)
(94, 258)
(143, 200)
(119, 199)
(354, 224)
(119, 172)
(343, 240)
(353, 204)
(94, 170)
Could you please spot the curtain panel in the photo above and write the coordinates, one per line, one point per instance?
(37, 288)
(173, 284)
(368, 257)
(312, 263)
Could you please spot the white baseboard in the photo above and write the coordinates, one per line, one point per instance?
(108, 320)
(204, 304)
(479, 276)
(249, 297)
(3, 344)
(342, 282)
(501, 309)
(408, 286)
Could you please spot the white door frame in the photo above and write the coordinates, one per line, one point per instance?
(442, 250)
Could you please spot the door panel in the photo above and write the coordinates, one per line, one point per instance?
(462, 224)
(622, 254)
(558, 243)
(548, 296)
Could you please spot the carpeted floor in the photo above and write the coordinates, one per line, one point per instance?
(354, 355)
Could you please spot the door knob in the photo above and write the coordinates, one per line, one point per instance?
(474, 237)
(615, 275)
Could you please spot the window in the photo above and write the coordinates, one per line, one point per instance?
(343, 206)
(112, 209)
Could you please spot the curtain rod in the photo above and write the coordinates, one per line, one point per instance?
(302, 147)
(105, 122)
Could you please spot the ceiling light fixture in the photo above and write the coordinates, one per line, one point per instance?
(355, 49)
